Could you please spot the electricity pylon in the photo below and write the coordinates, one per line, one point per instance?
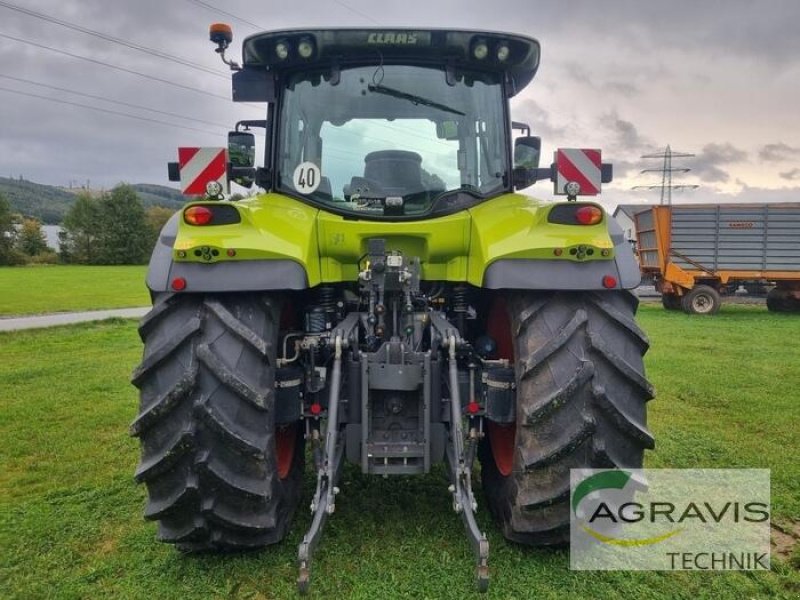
(666, 171)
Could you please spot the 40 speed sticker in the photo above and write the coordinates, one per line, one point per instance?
(306, 177)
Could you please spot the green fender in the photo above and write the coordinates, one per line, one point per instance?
(282, 243)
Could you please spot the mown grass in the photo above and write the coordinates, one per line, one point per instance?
(60, 288)
(70, 515)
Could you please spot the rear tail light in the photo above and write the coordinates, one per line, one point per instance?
(211, 214)
(576, 213)
(609, 282)
(198, 215)
(588, 215)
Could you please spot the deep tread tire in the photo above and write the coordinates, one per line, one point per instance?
(206, 423)
(581, 403)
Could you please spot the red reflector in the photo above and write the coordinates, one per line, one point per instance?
(473, 408)
(231, 252)
(558, 251)
(588, 215)
(609, 281)
(198, 215)
(316, 408)
(179, 284)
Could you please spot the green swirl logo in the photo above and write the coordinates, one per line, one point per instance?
(613, 480)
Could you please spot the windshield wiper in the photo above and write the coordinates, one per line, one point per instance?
(382, 89)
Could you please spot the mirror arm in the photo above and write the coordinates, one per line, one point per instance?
(263, 178)
(251, 123)
(527, 177)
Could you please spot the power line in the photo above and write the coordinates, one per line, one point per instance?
(356, 11)
(208, 6)
(104, 99)
(115, 40)
(105, 110)
(118, 68)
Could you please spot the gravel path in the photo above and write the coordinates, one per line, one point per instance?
(16, 323)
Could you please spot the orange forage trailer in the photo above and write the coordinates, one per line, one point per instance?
(694, 251)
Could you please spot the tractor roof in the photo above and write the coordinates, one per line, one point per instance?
(298, 49)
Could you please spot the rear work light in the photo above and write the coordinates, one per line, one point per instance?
(211, 214)
(576, 213)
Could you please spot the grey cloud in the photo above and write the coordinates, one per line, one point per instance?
(708, 164)
(627, 134)
(626, 144)
(723, 153)
(622, 47)
(793, 175)
(737, 27)
(598, 81)
(778, 152)
(531, 112)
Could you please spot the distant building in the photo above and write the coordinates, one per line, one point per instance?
(624, 215)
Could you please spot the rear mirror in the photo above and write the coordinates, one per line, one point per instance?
(526, 160)
(526, 152)
(447, 130)
(241, 148)
(242, 156)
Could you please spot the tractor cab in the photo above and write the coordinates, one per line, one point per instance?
(400, 124)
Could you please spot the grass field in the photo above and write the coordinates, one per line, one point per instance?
(60, 288)
(70, 515)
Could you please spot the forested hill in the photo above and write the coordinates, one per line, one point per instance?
(49, 204)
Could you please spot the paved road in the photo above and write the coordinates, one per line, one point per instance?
(16, 323)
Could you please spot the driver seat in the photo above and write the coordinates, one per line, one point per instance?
(398, 171)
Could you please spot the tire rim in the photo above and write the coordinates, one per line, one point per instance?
(502, 437)
(702, 303)
(285, 441)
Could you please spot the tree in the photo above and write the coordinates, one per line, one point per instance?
(30, 238)
(79, 242)
(124, 235)
(156, 217)
(7, 233)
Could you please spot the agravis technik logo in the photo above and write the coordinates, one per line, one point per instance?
(670, 519)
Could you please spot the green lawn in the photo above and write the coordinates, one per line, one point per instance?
(60, 288)
(70, 515)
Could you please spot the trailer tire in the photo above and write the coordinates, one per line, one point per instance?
(779, 300)
(671, 301)
(220, 474)
(701, 300)
(581, 403)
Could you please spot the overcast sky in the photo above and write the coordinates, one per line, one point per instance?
(720, 79)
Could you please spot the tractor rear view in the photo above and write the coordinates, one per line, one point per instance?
(388, 301)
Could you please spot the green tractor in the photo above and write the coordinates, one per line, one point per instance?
(388, 301)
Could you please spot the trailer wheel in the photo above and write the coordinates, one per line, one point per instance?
(701, 300)
(581, 402)
(220, 474)
(671, 301)
(779, 300)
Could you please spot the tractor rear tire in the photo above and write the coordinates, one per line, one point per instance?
(215, 464)
(581, 403)
(701, 300)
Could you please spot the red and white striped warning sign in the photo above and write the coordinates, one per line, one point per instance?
(198, 166)
(580, 165)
